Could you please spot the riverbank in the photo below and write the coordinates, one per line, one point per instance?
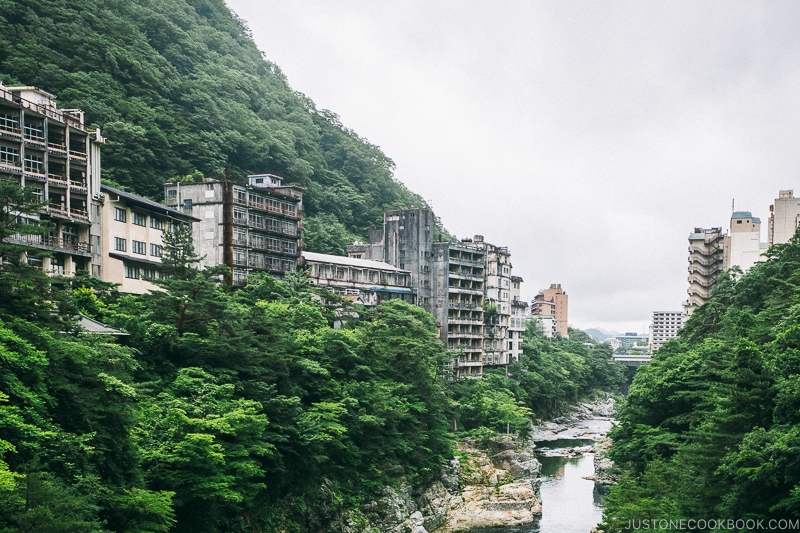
(494, 483)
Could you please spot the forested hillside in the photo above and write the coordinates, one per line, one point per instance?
(178, 86)
(277, 407)
(711, 429)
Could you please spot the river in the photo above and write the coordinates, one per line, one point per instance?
(570, 503)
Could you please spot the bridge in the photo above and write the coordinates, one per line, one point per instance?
(632, 360)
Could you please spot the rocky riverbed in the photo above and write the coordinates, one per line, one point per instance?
(498, 484)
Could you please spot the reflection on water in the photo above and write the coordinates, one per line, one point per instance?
(562, 443)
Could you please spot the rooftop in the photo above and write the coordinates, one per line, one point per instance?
(314, 257)
(146, 202)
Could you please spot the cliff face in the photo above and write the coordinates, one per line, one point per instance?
(496, 486)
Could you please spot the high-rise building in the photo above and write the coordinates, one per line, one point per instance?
(519, 311)
(54, 153)
(250, 228)
(466, 286)
(743, 243)
(666, 325)
(784, 218)
(553, 302)
(707, 259)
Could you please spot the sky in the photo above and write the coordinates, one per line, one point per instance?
(589, 137)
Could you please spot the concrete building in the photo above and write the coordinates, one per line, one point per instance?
(359, 280)
(665, 327)
(743, 243)
(130, 246)
(406, 241)
(53, 152)
(553, 302)
(252, 228)
(707, 259)
(458, 282)
(519, 315)
(496, 331)
(545, 325)
(784, 218)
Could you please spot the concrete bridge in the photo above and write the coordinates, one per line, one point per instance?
(632, 360)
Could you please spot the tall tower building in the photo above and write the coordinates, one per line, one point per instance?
(553, 302)
(707, 258)
(666, 325)
(784, 218)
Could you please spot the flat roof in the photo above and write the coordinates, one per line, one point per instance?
(147, 202)
(315, 257)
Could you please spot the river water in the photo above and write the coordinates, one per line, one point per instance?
(570, 503)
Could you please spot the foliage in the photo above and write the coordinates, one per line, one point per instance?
(179, 89)
(713, 420)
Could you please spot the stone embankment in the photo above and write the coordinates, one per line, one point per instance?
(495, 486)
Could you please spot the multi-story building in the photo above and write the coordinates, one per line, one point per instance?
(519, 311)
(498, 301)
(545, 325)
(405, 241)
(130, 246)
(707, 259)
(743, 243)
(359, 280)
(666, 326)
(553, 302)
(458, 282)
(51, 151)
(784, 218)
(248, 228)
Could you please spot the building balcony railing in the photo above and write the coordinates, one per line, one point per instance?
(466, 321)
(239, 242)
(462, 361)
(464, 335)
(57, 147)
(464, 306)
(12, 167)
(43, 109)
(54, 181)
(35, 176)
(464, 348)
(11, 131)
(78, 186)
(47, 241)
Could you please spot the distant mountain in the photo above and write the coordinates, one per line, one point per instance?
(178, 86)
(599, 334)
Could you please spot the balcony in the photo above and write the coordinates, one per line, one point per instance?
(12, 167)
(78, 186)
(56, 181)
(45, 241)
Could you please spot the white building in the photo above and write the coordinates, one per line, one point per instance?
(545, 325)
(784, 218)
(743, 244)
(665, 326)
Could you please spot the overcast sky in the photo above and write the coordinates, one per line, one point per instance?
(588, 137)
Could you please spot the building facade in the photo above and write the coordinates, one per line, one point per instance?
(359, 280)
(743, 243)
(553, 302)
(131, 246)
(666, 326)
(52, 151)
(707, 259)
(252, 228)
(519, 316)
(784, 218)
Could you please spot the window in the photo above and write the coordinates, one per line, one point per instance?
(34, 163)
(150, 274)
(156, 223)
(187, 204)
(138, 219)
(209, 186)
(172, 194)
(120, 215)
(120, 244)
(9, 155)
(139, 247)
(9, 122)
(131, 272)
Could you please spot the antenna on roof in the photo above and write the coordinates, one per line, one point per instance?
(733, 205)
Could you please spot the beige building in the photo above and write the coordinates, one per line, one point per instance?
(784, 218)
(743, 243)
(516, 327)
(131, 243)
(359, 280)
(52, 151)
(250, 228)
(553, 302)
(707, 259)
(666, 326)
